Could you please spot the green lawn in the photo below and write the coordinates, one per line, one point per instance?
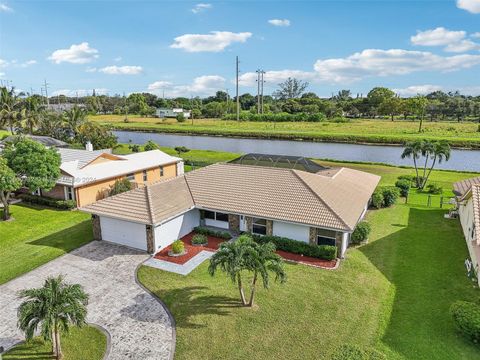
(465, 134)
(392, 294)
(38, 235)
(3, 133)
(81, 343)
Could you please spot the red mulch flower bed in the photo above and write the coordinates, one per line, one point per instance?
(212, 245)
(307, 260)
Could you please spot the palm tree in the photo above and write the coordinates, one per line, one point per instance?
(52, 308)
(33, 114)
(245, 255)
(52, 124)
(413, 149)
(11, 112)
(440, 151)
(74, 118)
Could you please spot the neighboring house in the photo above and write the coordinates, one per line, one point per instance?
(172, 113)
(88, 175)
(317, 208)
(468, 202)
(60, 108)
(44, 140)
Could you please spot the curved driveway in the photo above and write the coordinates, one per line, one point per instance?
(139, 325)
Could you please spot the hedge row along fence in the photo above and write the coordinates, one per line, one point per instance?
(325, 252)
(278, 117)
(50, 202)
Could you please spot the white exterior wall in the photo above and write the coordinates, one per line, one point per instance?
(180, 168)
(216, 223)
(124, 232)
(465, 213)
(291, 231)
(345, 242)
(176, 228)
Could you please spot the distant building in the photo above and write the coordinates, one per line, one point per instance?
(172, 113)
(44, 140)
(58, 108)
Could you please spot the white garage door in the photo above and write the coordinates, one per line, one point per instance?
(124, 233)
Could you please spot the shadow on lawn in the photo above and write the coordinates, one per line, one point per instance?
(424, 262)
(69, 238)
(192, 300)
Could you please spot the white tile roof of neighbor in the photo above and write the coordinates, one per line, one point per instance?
(334, 200)
(82, 173)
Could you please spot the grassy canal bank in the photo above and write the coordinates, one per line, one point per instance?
(460, 135)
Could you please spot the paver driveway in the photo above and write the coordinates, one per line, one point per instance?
(139, 326)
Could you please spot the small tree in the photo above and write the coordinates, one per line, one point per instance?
(180, 117)
(361, 232)
(181, 150)
(150, 145)
(8, 183)
(52, 308)
(245, 255)
(120, 186)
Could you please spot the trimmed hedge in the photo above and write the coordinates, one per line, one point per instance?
(210, 232)
(278, 117)
(466, 316)
(361, 232)
(385, 196)
(326, 252)
(46, 201)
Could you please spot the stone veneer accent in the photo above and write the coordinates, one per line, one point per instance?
(150, 239)
(269, 228)
(312, 236)
(234, 223)
(97, 228)
(249, 223)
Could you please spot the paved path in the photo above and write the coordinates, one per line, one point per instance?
(183, 269)
(139, 326)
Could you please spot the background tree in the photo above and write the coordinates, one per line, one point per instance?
(74, 118)
(120, 186)
(9, 182)
(34, 112)
(181, 150)
(413, 149)
(390, 106)
(418, 105)
(150, 145)
(100, 136)
(52, 308)
(439, 151)
(377, 96)
(291, 89)
(11, 111)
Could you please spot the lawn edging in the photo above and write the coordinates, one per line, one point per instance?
(167, 310)
(107, 334)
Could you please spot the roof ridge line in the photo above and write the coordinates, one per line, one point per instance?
(189, 190)
(149, 203)
(319, 198)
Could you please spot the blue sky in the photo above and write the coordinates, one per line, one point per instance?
(189, 48)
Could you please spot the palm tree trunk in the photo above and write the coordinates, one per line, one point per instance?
(416, 170)
(424, 172)
(54, 344)
(4, 197)
(240, 288)
(431, 168)
(252, 294)
(59, 347)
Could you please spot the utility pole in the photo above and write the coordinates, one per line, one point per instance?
(261, 91)
(46, 91)
(126, 109)
(258, 90)
(238, 98)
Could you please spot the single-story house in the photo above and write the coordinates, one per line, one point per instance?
(44, 140)
(172, 113)
(317, 208)
(87, 175)
(468, 202)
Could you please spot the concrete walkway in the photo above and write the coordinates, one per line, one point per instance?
(139, 326)
(183, 269)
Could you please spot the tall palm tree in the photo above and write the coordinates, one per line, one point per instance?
(74, 118)
(52, 308)
(440, 151)
(245, 255)
(11, 112)
(33, 114)
(52, 124)
(413, 149)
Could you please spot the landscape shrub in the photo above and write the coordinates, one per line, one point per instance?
(210, 232)
(150, 145)
(355, 352)
(180, 117)
(199, 239)
(404, 186)
(466, 316)
(377, 199)
(434, 188)
(361, 232)
(390, 195)
(120, 186)
(326, 252)
(339, 120)
(50, 202)
(410, 178)
(277, 117)
(178, 247)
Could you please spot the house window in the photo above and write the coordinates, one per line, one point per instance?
(212, 215)
(69, 193)
(131, 177)
(161, 170)
(145, 176)
(259, 226)
(326, 237)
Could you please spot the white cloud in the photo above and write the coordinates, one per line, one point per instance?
(201, 7)
(376, 62)
(201, 86)
(453, 41)
(80, 92)
(418, 89)
(275, 77)
(75, 54)
(216, 41)
(476, 35)
(5, 8)
(121, 70)
(91, 69)
(118, 59)
(27, 63)
(15, 63)
(279, 22)
(472, 6)
(3, 63)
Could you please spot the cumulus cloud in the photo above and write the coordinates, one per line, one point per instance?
(17, 64)
(5, 8)
(476, 35)
(275, 77)
(201, 7)
(79, 92)
(121, 70)
(279, 22)
(75, 54)
(472, 6)
(201, 86)
(418, 89)
(453, 41)
(215, 41)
